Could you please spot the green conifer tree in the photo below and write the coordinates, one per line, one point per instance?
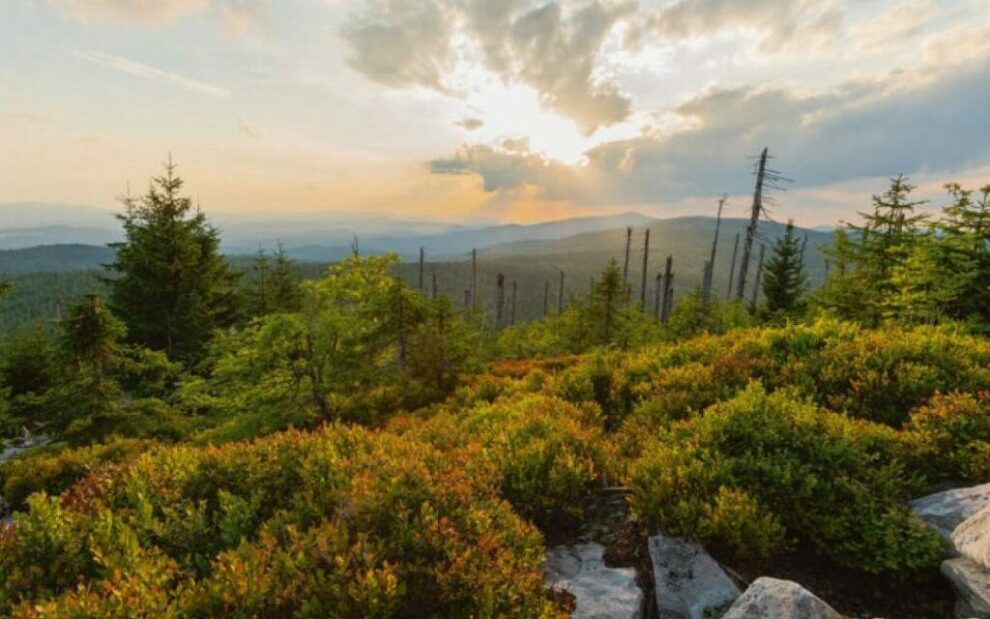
(784, 281)
(169, 283)
(286, 293)
(868, 255)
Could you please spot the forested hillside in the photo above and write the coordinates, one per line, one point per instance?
(240, 440)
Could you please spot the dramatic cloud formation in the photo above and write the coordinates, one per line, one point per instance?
(550, 48)
(932, 119)
(781, 23)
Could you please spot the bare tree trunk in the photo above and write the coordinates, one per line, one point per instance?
(710, 272)
(646, 263)
(656, 299)
(422, 266)
(759, 277)
(474, 279)
(433, 273)
(667, 289)
(732, 269)
(625, 265)
(512, 315)
(499, 301)
(754, 222)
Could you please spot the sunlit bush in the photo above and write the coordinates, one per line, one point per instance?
(771, 463)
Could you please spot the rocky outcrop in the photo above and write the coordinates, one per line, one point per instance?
(972, 585)
(962, 518)
(780, 599)
(972, 538)
(600, 592)
(687, 581)
(945, 511)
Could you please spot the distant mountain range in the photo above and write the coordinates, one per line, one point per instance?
(317, 237)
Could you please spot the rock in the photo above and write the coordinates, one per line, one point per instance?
(945, 511)
(687, 581)
(780, 599)
(972, 538)
(972, 584)
(600, 592)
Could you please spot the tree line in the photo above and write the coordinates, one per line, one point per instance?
(180, 345)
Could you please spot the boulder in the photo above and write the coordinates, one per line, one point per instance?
(972, 585)
(687, 581)
(600, 592)
(972, 538)
(945, 511)
(780, 599)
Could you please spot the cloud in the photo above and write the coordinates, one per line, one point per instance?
(471, 124)
(929, 120)
(149, 11)
(896, 25)
(550, 48)
(782, 24)
(235, 15)
(138, 69)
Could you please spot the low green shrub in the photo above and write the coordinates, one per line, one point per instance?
(773, 463)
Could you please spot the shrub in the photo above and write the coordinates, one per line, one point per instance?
(54, 469)
(339, 521)
(823, 477)
(549, 454)
(949, 438)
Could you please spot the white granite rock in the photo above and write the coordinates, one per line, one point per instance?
(600, 592)
(972, 538)
(687, 581)
(780, 599)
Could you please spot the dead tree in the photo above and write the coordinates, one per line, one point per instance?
(560, 294)
(625, 265)
(512, 314)
(546, 297)
(766, 178)
(656, 297)
(759, 277)
(710, 271)
(732, 269)
(668, 289)
(422, 266)
(499, 301)
(474, 279)
(433, 273)
(646, 262)
(467, 298)
(754, 222)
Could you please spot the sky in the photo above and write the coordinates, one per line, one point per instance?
(493, 110)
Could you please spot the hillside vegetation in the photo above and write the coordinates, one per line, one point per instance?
(347, 446)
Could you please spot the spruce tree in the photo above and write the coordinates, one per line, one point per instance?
(870, 254)
(259, 301)
(784, 280)
(607, 305)
(169, 283)
(963, 235)
(284, 283)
